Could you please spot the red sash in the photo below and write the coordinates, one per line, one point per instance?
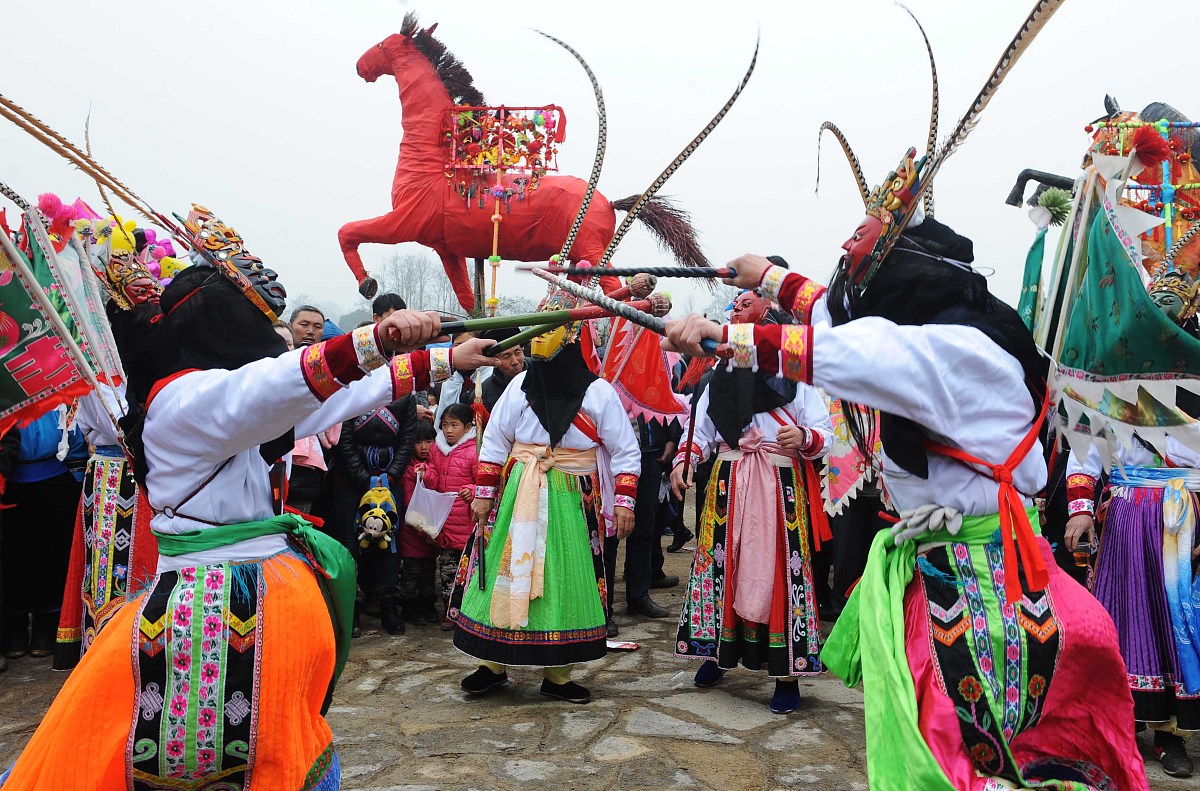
(1013, 519)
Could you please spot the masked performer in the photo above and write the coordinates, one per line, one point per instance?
(113, 554)
(751, 597)
(1144, 572)
(979, 657)
(219, 674)
(538, 597)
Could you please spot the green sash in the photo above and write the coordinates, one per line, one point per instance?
(867, 645)
(332, 563)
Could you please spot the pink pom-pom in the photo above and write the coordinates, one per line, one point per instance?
(583, 265)
(50, 205)
(154, 268)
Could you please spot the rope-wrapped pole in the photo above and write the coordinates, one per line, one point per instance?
(629, 271)
(658, 304)
(622, 309)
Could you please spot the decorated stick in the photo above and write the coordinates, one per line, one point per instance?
(622, 309)
(628, 271)
(687, 449)
(524, 319)
(654, 304)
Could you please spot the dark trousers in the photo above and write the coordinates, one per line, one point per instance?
(643, 547)
(378, 569)
(853, 531)
(36, 552)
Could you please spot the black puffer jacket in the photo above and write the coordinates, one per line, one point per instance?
(381, 441)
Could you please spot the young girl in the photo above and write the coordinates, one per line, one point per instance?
(417, 592)
(454, 457)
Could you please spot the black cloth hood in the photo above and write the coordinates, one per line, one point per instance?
(555, 389)
(736, 396)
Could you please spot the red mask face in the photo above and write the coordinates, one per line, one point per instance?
(859, 246)
(143, 290)
(748, 308)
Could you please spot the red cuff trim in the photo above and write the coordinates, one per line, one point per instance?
(1081, 487)
(795, 353)
(681, 456)
(626, 484)
(487, 474)
(813, 444)
(321, 362)
(798, 295)
(410, 372)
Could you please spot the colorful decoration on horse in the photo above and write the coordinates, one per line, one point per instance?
(486, 140)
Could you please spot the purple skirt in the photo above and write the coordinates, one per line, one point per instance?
(1131, 586)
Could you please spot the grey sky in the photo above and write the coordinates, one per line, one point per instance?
(254, 109)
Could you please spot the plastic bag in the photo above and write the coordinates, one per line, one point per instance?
(428, 510)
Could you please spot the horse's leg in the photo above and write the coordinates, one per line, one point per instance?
(456, 271)
(390, 228)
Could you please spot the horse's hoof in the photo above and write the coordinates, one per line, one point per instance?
(368, 287)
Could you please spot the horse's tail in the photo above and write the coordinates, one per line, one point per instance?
(672, 228)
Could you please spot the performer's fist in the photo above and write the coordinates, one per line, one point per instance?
(406, 330)
(481, 508)
(750, 269)
(684, 335)
(469, 355)
(623, 521)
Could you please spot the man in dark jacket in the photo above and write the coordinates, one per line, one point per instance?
(10, 446)
(377, 443)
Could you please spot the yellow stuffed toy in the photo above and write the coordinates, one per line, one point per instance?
(377, 515)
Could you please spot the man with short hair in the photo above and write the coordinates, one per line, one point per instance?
(385, 305)
(307, 325)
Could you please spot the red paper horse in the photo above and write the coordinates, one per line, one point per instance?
(427, 209)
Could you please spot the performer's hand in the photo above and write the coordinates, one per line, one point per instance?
(466, 494)
(424, 412)
(667, 454)
(679, 484)
(1077, 526)
(406, 330)
(481, 508)
(468, 355)
(623, 521)
(749, 268)
(684, 335)
(790, 437)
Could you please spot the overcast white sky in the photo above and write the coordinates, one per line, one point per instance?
(254, 109)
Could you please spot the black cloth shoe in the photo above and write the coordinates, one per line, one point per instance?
(709, 675)
(570, 691)
(613, 631)
(483, 681)
(681, 537)
(389, 616)
(648, 607)
(665, 582)
(1170, 751)
(45, 634)
(14, 642)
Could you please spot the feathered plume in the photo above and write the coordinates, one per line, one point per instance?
(1149, 145)
(863, 190)
(601, 144)
(671, 168)
(933, 112)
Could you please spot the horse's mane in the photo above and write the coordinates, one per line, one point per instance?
(450, 70)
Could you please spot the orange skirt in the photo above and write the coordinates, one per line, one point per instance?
(146, 709)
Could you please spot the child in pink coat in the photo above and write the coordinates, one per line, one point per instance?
(418, 555)
(453, 459)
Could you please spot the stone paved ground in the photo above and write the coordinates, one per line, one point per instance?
(402, 724)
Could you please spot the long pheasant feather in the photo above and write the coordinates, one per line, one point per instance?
(931, 144)
(601, 144)
(863, 190)
(654, 187)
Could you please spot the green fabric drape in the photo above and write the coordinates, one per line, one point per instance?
(333, 566)
(867, 645)
(1030, 304)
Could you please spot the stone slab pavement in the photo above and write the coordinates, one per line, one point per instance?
(402, 724)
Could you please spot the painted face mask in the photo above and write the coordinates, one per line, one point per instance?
(222, 247)
(547, 345)
(1174, 293)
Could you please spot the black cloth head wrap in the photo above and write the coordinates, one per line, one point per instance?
(735, 397)
(917, 286)
(555, 389)
(206, 323)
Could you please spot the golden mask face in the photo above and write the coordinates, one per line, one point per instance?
(548, 344)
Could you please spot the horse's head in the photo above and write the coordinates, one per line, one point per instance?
(387, 55)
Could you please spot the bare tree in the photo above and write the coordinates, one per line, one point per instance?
(420, 280)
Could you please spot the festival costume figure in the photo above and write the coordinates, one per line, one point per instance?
(113, 555)
(979, 657)
(221, 671)
(1144, 571)
(751, 597)
(538, 597)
